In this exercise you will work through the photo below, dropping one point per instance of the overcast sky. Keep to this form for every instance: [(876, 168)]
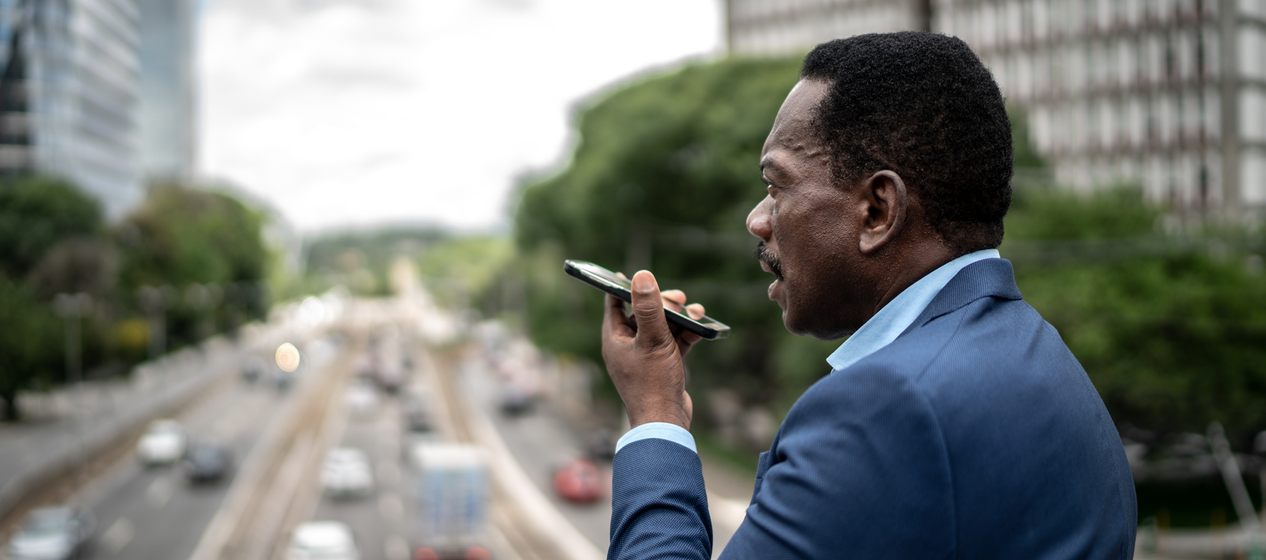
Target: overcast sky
[(356, 112)]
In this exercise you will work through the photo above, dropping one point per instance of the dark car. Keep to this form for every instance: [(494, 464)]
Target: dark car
[(600, 445), (253, 368), (54, 533), (415, 415), (515, 401), (206, 463)]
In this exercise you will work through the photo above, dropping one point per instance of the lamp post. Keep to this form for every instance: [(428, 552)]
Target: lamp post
[(154, 301), (72, 308)]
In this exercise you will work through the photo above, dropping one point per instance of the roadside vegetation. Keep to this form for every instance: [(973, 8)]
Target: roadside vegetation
[(196, 258), (1166, 312)]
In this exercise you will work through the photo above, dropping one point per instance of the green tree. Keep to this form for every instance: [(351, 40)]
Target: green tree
[(1171, 329), (208, 245), (36, 213), (663, 176), (29, 344)]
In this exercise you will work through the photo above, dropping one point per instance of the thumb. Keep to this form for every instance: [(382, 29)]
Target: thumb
[(648, 310)]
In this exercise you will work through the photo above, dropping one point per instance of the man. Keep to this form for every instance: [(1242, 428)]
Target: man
[(955, 422)]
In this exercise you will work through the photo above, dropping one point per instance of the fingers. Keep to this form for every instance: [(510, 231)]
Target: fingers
[(648, 310), (695, 310), (674, 299), (614, 323)]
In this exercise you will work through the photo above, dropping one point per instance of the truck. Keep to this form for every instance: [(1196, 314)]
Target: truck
[(453, 497)]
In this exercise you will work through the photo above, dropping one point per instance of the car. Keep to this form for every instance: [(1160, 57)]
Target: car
[(207, 462), (600, 445), (253, 368), (362, 399), (52, 533), (162, 444), (579, 481), (415, 415), (322, 540), (346, 473), (515, 401), (282, 380)]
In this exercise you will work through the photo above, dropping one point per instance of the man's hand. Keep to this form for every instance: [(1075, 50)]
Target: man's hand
[(644, 354)]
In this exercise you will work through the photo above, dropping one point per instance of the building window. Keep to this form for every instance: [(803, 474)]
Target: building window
[(1253, 118), (1253, 176), (1252, 56)]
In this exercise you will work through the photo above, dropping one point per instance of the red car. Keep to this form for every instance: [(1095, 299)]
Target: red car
[(579, 481)]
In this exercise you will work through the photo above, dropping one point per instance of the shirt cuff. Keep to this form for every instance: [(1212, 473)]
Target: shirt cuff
[(659, 430)]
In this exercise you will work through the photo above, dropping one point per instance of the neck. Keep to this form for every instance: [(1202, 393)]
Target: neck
[(911, 264)]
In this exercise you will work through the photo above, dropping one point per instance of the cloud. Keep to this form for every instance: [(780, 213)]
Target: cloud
[(344, 112)]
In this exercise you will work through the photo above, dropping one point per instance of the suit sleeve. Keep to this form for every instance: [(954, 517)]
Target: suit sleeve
[(859, 470), (659, 505)]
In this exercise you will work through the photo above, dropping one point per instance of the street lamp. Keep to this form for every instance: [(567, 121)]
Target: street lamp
[(154, 301), (72, 308)]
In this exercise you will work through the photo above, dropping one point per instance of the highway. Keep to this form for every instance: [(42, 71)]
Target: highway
[(152, 512), (381, 521), (279, 440)]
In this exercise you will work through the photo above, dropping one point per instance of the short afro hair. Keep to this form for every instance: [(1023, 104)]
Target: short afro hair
[(923, 106)]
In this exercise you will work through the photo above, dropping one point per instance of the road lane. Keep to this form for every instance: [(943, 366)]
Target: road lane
[(153, 512), (541, 441), (382, 520)]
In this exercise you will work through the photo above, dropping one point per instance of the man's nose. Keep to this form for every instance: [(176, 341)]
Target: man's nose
[(758, 221)]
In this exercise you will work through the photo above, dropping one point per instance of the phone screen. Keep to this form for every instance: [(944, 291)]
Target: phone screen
[(611, 283)]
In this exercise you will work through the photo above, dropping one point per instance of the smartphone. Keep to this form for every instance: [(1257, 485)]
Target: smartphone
[(609, 282)]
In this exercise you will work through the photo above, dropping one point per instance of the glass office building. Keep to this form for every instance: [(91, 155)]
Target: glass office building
[(69, 94), (167, 132)]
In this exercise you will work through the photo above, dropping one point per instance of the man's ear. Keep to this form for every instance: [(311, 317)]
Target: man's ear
[(888, 203)]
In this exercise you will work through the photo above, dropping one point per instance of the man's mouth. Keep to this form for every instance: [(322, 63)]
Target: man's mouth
[(769, 259)]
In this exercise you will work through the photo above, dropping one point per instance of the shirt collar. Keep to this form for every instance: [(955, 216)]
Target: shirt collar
[(894, 318)]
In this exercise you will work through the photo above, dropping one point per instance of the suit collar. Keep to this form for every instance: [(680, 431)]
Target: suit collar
[(893, 319), (987, 278)]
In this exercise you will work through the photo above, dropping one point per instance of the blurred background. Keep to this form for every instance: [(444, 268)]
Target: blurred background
[(282, 278)]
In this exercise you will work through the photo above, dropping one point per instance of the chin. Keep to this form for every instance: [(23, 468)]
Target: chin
[(800, 325)]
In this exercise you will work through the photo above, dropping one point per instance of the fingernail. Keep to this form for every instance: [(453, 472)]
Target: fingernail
[(643, 282)]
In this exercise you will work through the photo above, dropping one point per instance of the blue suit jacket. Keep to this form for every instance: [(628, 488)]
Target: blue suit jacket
[(975, 434)]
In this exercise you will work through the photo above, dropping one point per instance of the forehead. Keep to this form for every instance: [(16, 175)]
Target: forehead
[(792, 133)]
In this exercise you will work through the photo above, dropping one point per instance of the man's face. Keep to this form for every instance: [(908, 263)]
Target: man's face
[(809, 241)]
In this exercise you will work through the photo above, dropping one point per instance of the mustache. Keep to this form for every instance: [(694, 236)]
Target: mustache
[(763, 254)]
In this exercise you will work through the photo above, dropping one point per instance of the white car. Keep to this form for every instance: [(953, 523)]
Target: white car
[(322, 540), (163, 443), (362, 399), (346, 473), (54, 533)]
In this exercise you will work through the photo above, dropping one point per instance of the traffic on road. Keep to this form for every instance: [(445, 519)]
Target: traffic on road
[(356, 438)]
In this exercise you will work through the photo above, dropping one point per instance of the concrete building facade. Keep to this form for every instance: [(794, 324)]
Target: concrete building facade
[(779, 27), (1169, 94), (69, 94), (1166, 94)]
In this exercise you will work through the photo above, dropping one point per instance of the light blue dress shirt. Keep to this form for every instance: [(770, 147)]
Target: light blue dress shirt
[(892, 320)]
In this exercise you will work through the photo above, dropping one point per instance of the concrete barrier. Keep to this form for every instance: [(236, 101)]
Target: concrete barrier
[(112, 431)]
